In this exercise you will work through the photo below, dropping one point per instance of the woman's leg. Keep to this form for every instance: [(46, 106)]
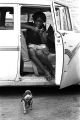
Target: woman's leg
[(34, 58), (52, 58), (45, 61)]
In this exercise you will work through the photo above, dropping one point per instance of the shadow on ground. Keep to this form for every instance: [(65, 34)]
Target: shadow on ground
[(40, 91), (49, 103)]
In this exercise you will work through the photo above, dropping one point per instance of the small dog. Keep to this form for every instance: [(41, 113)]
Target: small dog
[(27, 101)]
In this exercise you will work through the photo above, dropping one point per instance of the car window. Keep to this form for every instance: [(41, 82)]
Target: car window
[(28, 11), (63, 20), (6, 18)]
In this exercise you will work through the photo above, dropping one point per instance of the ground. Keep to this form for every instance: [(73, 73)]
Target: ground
[(48, 103)]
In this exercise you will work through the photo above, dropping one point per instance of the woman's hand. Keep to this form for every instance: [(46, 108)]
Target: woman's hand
[(43, 35)]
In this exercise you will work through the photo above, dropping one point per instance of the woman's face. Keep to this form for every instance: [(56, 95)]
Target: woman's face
[(38, 22)]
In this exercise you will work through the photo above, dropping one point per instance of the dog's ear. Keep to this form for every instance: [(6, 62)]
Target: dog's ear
[(24, 94)]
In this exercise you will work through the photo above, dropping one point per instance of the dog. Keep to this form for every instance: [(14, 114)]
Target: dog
[(27, 100)]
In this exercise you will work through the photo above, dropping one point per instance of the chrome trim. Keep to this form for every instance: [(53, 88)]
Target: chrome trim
[(9, 48)]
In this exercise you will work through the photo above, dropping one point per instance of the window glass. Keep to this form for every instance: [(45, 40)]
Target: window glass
[(63, 18), (58, 19), (6, 18)]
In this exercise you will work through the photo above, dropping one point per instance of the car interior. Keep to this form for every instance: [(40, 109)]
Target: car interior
[(27, 66)]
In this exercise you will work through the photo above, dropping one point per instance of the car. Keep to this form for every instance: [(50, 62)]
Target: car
[(16, 67)]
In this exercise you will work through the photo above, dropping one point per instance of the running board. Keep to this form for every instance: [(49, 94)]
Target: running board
[(28, 81)]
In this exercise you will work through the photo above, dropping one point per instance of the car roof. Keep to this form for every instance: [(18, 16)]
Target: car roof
[(32, 2)]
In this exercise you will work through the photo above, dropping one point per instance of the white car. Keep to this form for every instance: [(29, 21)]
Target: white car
[(16, 68)]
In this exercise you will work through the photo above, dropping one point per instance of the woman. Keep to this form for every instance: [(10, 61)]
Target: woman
[(36, 39)]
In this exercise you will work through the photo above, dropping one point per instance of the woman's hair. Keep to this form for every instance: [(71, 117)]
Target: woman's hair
[(39, 14)]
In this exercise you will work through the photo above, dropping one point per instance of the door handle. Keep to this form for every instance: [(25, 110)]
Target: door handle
[(63, 34)]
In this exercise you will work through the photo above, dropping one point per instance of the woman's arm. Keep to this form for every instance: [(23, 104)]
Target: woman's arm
[(27, 26)]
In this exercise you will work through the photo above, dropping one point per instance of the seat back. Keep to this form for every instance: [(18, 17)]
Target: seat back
[(24, 50)]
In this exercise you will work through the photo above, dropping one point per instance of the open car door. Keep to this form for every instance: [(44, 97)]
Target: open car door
[(59, 51), (9, 49), (71, 63)]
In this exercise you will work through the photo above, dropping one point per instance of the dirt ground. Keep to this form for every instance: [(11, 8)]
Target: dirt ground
[(48, 104)]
